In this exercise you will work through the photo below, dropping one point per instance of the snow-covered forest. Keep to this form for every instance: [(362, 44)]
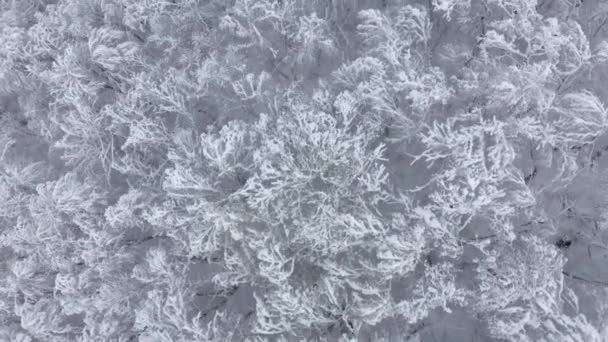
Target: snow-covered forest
[(303, 170)]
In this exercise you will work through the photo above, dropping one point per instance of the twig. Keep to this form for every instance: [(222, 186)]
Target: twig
[(600, 27), (591, 281)]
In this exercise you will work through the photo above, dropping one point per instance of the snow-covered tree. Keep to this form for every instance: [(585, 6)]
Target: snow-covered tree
[(282, 170)]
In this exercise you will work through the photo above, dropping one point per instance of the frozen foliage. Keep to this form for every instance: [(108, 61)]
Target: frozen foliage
[(303, 170)]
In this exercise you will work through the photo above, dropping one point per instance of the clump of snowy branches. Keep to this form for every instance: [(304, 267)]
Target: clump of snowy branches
[(277, 170)]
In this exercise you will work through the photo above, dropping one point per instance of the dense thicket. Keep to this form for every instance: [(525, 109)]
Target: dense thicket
[(289, 170)]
